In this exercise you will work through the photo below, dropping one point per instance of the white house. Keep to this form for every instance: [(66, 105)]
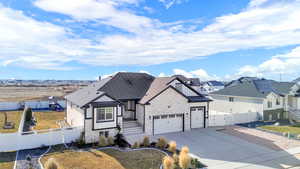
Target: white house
[(271, 100), (138, 103)]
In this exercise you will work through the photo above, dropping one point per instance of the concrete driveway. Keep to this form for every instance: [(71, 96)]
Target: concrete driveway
[(220, 150)]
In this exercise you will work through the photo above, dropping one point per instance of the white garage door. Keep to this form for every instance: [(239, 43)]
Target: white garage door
[(168, 123), (197, 117)]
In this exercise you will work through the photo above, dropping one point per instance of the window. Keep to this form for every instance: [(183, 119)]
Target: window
[(178, 86), (269, 104), (231, 99), (104, 133), (105, 113), (130, 106), (277, 101)]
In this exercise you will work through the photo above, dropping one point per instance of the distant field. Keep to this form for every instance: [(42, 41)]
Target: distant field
[(33, 93)]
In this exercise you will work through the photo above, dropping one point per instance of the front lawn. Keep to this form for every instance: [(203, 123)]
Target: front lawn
[(48, 119), (107, 159), (12, 116), (7, 160), (293, 129)]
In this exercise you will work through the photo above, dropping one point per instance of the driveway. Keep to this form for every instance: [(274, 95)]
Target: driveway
[(220, 150)]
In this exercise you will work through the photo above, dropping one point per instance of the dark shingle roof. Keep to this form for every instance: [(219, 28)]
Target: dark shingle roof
[(256, 88), (127, 85), (123, 85), (215, 83), (83, 96)]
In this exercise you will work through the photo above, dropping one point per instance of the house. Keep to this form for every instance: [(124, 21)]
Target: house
[(137, 103), (271, 100), (211, 86)]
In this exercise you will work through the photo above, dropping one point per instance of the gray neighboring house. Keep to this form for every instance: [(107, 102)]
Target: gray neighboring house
[(270, 99), (138, 103)]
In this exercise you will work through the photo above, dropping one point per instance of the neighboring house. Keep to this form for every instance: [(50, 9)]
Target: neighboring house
[(138, 103), (211, 86), (241, 80), (269, 99)]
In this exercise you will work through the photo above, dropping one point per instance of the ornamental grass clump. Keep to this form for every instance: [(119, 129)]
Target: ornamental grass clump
[(146, 141), (184, 158), (51, 164), (136, 145), (110, 141), (102, 141), (168, 162), (175, 158), (172, 146), (162, 143)]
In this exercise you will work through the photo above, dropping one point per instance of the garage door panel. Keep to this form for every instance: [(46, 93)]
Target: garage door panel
[(168, 123), (197, 117)]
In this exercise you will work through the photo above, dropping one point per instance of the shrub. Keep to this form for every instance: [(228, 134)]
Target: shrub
[(175, 158), (185, 150), (172, 146), (162, 143), (51, 164), (120, 140), (102, 141), (196, 163), (110, 141), (146, 141), (184, 160), (81, 141), (136, 145), (168, 162), (28, 114)]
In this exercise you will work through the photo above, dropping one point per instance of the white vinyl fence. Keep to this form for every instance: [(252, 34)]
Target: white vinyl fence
[(225, 119), (29, 140), (5, 106)]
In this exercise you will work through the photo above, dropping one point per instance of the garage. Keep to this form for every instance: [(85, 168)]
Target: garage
[(197, 117), (167, 123)]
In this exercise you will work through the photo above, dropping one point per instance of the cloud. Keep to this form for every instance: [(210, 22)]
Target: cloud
[(199, 73), (256, 3), (31, 43), (287, 64), (169, 3)]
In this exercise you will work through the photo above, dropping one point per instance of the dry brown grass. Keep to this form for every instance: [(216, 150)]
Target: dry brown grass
[(51, 164), (12, 116), (161, 143), (7, 160), (184, 160), (86, 160), (48, 119), (106, 159), (146, 141), (185, 150), (141, 159)]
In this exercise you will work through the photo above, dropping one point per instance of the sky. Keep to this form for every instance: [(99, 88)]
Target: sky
[(208, 39)]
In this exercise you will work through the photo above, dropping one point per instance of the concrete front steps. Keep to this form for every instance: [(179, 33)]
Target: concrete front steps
[(131, 128)]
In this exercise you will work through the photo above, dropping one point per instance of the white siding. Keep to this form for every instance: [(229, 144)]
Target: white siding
[(140, 113), (168, 102), (239, 105), (272, 98), (103, 99), (75, 115)]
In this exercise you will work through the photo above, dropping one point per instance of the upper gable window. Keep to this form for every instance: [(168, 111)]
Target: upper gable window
[(178, 86), (269, 104), (277, 101)]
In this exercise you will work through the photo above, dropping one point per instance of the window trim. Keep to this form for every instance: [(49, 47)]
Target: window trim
[(106, 120)]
